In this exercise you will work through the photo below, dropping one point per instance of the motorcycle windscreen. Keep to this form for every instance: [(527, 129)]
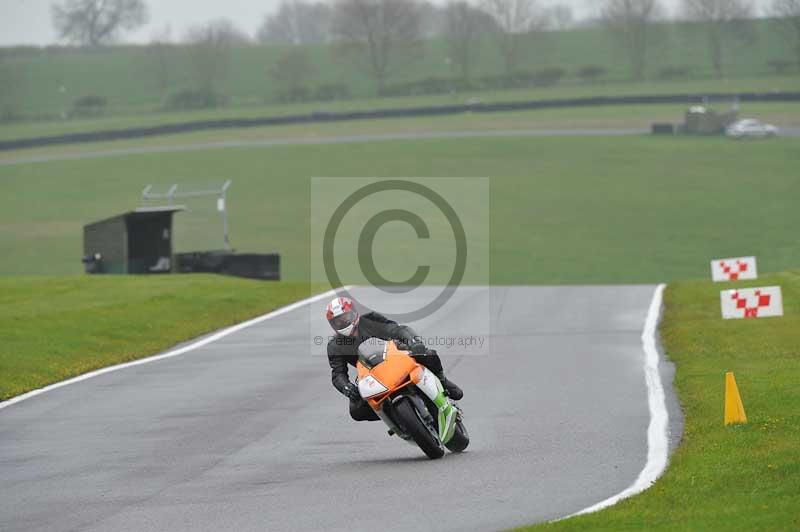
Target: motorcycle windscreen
[(372, 352)]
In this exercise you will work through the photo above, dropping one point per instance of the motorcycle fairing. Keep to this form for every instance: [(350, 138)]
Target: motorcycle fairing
[(431, 386), (383, 366), (369, 386)]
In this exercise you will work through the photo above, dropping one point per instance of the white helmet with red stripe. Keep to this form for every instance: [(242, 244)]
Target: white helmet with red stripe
[(342, 315)]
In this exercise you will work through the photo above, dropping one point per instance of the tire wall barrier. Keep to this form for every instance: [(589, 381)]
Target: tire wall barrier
[(321, 116)]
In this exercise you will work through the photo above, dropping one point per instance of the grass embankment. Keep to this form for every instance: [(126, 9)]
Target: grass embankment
[(743, 477), (563, 210), (121, 119), (54, 328)]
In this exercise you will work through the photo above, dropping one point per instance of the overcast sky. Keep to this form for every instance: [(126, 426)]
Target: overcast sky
[(28, 21)]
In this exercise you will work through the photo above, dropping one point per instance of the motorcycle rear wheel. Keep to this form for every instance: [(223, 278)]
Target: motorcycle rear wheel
[(423, 435)]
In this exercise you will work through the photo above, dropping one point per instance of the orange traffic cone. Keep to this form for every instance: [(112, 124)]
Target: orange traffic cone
[(734, 409)]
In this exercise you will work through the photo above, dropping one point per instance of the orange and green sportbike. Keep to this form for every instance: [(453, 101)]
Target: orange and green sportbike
[(410, 399)]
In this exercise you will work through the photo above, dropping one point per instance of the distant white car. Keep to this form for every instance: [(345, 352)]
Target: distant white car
[(751, 129)]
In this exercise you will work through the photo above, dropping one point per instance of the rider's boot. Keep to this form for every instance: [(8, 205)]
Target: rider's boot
[(451, 389)]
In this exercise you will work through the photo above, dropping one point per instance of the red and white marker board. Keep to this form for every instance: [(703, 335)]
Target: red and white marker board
[(735, 269), (751, 303)]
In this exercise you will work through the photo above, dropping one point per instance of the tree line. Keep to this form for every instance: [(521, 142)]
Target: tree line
[(383, 34), (382, 37)]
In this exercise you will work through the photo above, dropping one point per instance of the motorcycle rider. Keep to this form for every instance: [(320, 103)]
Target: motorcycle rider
[(352, 329)]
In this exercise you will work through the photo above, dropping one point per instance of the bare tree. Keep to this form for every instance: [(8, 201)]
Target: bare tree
[(9, 90), (787, 13), (721, 19), (97, 22), (377, 34), (159, 52), (560, 17), (209, 52), (461, 33), (291, 73), (515, 18), (631, 22), (296, 22), (464, 26), (432, 19)]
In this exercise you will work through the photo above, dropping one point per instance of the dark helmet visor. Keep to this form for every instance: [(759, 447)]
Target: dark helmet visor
[(343, 321)]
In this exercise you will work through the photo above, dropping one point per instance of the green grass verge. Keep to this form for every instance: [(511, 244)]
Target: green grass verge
[(743, 477), (611, 116), (54, 328), (563, 210)]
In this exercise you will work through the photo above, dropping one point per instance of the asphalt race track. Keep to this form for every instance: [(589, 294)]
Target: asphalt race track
[(339, 139), (247, 433), (311, 141)]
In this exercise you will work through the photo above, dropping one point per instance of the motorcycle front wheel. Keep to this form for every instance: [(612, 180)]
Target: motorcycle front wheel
[(415, 426), (460, 440)]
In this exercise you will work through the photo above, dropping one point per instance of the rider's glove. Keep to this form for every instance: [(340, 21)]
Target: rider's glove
[(351, 391), (417, 347)]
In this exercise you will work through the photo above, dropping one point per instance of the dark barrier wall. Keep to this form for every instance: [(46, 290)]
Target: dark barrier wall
[(266, 267), (118, 134)]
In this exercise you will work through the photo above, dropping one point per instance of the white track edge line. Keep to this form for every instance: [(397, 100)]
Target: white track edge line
[(657, 440), (175, 352)]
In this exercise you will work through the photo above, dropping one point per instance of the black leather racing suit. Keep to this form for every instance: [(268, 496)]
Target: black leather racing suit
[(343, 350)]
